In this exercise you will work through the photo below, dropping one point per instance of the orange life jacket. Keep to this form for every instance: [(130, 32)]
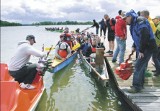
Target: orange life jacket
[(62, 53)]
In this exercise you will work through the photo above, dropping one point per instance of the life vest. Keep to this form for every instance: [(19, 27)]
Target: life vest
[(63, 52), (93, 49), (112, 24)]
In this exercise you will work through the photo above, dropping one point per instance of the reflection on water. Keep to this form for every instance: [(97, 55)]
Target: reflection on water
[(72, 89)]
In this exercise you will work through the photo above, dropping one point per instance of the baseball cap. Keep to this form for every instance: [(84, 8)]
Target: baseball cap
[(157, 17), (29, 37)]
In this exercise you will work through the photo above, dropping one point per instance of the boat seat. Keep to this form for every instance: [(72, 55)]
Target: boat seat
[(12, 96), (5, 76)]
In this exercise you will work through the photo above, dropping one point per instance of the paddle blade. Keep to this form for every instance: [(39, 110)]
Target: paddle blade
[(48, 48), (76, 46)]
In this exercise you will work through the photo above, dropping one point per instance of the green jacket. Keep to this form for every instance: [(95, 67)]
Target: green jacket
[(157, 34)]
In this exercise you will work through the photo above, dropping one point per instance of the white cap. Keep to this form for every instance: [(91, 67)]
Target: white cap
[(63, 45)]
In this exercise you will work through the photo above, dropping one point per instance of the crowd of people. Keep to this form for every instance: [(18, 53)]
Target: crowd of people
[(145, 33)]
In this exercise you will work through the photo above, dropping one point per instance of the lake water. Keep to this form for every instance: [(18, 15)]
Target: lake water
[(71, 89)]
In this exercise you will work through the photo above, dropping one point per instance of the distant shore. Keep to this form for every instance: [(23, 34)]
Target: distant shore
[(6, 23)]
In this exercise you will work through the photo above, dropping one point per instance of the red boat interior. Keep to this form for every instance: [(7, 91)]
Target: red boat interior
[(15, 98)]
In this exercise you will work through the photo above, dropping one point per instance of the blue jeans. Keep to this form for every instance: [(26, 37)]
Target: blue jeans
[(121, 47), (155, 58), (158, 56), (140, 67)]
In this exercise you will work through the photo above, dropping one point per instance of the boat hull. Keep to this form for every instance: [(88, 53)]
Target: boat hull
[(57, 64), (102, 76)]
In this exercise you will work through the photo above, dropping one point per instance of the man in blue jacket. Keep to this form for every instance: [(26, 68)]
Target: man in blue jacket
[(145, 45)]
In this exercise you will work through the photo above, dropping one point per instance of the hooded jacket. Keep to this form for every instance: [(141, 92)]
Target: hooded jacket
[(141, 32), (120, 27), (22, 55)]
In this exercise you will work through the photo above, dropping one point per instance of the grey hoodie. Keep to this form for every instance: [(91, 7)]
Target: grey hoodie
[(22, 55)]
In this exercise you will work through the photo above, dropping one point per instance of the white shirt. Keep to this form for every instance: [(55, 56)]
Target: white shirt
[(22, 55)]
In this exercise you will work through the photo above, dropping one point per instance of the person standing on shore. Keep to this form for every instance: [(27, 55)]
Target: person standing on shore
[(145, 13), (145, 43), (95, 24), (121, 36), (102, 27), (111, 32), (157, 37), (20, 68)]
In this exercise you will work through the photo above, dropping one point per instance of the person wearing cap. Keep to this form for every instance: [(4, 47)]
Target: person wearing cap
[(157, 36), (62, 51), (18, 66), (145, 43), (121, 36)]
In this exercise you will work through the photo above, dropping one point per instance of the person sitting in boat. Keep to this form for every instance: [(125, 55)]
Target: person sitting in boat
[(94, 45), (67, 39), (18, 66), (62, 51), (99, 44), (86, 48), (66, 30)]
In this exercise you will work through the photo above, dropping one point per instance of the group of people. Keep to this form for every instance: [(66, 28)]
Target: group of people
[(146, 44), (146, 38)]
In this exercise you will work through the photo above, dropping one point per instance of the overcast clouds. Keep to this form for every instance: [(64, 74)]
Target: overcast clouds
[(29, 11)]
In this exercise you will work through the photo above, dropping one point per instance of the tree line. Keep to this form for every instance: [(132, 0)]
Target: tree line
[(63, 23), (6, 23)]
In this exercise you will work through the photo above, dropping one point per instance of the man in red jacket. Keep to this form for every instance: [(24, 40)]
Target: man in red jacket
[(121, 36)]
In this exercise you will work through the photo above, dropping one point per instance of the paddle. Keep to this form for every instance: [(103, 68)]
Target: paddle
[(86, 29), (48, 48), (49, 51)]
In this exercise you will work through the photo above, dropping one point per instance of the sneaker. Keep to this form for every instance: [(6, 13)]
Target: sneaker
[(153, 70), (156, 74), (111, 53), (133, 90), (108, 51), (114, 60), (26, 86)]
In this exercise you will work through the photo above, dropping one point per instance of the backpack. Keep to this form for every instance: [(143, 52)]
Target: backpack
[(112, 23)]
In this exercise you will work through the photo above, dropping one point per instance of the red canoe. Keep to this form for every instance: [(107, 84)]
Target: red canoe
[(13, 98)]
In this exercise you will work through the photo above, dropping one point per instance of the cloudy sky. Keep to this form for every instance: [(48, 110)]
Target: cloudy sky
[(29, 11)]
